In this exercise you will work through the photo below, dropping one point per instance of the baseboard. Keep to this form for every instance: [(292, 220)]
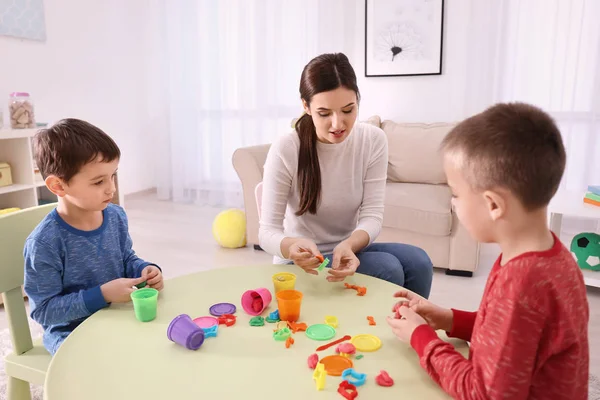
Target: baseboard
[(457, 272), (140, 193)]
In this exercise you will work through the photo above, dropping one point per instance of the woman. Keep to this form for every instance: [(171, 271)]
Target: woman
[(327, 178)]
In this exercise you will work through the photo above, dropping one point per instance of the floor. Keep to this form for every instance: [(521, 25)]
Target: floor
[(178, 238)]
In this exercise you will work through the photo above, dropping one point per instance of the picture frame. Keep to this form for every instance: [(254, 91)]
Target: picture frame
[(403, 37)]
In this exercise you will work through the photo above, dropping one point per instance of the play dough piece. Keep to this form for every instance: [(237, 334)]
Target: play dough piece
[(257, 321), (336, 365), (222, 308), (206, 322), (358, 378), (320, 332), (328, 345), (282, 334), (347, 390), (323, 265), (383, 379), (257, 304), (346, 348), (366, 342)]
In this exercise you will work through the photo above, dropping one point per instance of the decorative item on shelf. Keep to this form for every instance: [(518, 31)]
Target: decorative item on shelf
[(585, 248), (37, 175), (592, 196), (21, 111), (5, 174)]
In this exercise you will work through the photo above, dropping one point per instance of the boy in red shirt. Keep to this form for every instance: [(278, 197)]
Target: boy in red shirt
[(529, 338)]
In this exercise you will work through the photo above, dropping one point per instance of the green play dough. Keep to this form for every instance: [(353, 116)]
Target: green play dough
[(320, 332), (257, 321), (282, 334), (585, 247)]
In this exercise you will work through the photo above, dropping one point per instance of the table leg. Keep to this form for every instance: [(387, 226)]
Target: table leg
[(556, 223)]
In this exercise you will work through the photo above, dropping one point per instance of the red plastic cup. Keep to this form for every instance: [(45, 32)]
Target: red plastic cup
[(289, 302), (250, 298)]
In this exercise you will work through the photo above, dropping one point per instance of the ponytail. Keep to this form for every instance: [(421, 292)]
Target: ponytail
[(309, 170)]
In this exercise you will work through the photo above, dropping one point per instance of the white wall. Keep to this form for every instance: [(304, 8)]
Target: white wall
[(436, 98), (91, 67), (94, 66)]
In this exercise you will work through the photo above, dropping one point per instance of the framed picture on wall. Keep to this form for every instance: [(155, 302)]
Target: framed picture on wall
[(403, 37)]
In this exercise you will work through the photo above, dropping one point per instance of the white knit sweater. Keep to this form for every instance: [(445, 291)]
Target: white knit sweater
[(353, 177)]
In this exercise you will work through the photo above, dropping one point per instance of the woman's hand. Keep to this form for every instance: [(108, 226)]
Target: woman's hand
[(344, 262), (305, 253)]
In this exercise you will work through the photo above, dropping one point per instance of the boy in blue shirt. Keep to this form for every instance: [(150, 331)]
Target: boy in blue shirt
[(79, 259)]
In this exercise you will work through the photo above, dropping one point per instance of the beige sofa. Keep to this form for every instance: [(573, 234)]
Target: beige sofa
[(417, 201)]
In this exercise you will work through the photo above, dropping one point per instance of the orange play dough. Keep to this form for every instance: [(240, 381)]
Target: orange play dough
[(335, 365)]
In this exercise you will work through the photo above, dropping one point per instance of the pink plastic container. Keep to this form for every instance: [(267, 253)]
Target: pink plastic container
[(261, 297)]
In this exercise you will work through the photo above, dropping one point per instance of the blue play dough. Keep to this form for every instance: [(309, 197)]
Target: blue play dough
[(351, 373)]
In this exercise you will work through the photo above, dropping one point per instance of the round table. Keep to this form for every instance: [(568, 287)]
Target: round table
[(111, 355)]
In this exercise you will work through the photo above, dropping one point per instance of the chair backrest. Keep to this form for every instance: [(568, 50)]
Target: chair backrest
[(14, 229), (258, 196)]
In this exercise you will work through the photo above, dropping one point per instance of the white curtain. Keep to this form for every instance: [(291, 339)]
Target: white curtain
[(544, 52), (224, 74)]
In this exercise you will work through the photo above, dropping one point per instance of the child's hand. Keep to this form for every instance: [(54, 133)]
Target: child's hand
[(153, 277), (118, 290), (404, 327), (437, 317)]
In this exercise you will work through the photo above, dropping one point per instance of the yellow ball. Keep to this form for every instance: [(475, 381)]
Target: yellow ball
[(229, 228)]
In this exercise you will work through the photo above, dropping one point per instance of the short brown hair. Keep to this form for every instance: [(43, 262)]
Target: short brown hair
[(68, 145), (516, 146)]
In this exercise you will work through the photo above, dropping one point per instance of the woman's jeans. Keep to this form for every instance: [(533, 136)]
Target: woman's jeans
[(405, 265)]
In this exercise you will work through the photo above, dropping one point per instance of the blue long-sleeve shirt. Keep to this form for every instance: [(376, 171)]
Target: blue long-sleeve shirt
[(65, 267)]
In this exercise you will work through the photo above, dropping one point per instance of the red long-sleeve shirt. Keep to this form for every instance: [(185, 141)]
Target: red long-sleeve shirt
[(529, 338)]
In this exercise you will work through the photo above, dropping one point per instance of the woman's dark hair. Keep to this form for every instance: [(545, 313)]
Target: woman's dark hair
[(322, 74)]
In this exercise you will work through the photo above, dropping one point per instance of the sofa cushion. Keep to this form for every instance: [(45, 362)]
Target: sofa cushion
[(414, 151), (374, 120), (419, 208)]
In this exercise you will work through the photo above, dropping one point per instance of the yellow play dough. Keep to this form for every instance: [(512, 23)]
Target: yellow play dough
[(366, 342)]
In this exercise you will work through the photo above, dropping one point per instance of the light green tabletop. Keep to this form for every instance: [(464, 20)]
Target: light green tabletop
[(114, 356)]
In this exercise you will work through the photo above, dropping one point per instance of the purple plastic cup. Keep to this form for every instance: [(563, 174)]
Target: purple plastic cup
[(182, 330), (249, 296)]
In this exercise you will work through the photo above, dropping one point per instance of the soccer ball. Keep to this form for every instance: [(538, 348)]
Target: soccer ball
[(585, 248)]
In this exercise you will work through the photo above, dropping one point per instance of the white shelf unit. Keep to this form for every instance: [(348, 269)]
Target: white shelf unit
[(15, 149), (26, 191)]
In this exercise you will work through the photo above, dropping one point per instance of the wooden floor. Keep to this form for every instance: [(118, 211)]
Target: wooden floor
[(178, 238)]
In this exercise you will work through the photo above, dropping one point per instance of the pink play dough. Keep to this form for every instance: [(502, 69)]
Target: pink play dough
[(346, 348), (313, 360)]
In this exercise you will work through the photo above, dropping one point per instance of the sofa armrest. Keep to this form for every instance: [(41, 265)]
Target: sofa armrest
[(248, 163), (464, 250)]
